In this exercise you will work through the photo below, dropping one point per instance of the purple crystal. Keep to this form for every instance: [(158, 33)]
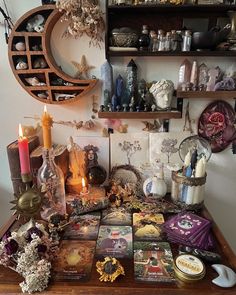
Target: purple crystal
[(42, 248), (34, 230)]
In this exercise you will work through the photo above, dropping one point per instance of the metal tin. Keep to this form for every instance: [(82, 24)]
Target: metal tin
[(189, 268)]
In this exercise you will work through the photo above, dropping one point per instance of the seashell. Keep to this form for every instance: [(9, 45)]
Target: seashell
[(89, 124), (42, 95), (40, 63), (21, 65), (20, 46), (35, 22), (64, 96), (34, 81)]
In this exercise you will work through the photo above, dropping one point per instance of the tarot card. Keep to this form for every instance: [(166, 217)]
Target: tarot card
[(116, 216), (74, 261), (147, 226), (185, 225), (153, 262), (115, 241), (83, 227)]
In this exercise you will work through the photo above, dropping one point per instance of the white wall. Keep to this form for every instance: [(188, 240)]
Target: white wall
[(16, 103)]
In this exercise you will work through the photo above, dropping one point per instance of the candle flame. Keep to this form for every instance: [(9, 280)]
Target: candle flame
[(45, 109), (20, 131), (83, 182)]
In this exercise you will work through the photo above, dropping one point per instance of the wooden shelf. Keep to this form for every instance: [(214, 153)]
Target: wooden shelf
[(168, 7), (140, 115), (207, 94), (111, 53), (52, 72)]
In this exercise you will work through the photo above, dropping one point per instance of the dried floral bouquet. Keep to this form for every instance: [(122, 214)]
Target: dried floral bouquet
[(29, 252), (83, 17)]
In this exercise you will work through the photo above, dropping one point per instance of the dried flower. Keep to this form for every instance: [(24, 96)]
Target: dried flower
[(11, 247), (84, 17)]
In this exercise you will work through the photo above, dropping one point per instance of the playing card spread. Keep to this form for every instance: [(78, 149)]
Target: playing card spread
[(83, 227), (74, 261), (146, 226), (115, 241), (153, 262)]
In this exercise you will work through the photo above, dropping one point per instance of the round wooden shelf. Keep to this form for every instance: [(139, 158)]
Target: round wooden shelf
[(52, 72)]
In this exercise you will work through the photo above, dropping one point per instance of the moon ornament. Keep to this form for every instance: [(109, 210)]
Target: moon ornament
[(38, 48)]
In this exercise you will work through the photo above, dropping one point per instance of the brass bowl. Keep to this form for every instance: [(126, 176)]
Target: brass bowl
[(125, 39)]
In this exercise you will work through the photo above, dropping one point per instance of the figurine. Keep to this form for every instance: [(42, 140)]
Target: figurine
[(36, 24), (163, 93)]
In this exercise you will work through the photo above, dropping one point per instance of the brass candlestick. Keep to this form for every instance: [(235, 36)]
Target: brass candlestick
[(29, 201)]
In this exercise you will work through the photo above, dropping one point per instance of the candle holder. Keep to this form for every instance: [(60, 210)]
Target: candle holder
[(28, 202)]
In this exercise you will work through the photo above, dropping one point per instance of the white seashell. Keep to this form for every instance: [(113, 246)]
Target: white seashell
[(64, 96), (34, 81), (42, 95), (21, 65), (20, 46)]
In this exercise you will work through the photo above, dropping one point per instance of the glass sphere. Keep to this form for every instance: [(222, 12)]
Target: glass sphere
[(96, 175)]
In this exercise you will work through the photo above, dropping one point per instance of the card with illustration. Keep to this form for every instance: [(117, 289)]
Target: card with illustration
[(115, 241), (74, 261), (147, 226), (116, 216), (83, 227), (153, 262)]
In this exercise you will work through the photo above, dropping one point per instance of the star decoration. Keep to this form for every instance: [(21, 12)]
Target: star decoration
[(82, 68)]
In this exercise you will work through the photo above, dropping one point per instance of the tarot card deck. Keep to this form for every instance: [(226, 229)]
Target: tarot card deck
[(153, 262), (189, 229), (115, 241), (147, 226), (74, 261)]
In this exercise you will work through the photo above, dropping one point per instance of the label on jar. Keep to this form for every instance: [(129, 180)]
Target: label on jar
[(189, 264)]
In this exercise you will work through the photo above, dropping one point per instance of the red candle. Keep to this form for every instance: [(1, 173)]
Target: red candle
[(23, 152)]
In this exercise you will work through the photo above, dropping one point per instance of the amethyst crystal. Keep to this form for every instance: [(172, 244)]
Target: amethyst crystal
[(42, 248)]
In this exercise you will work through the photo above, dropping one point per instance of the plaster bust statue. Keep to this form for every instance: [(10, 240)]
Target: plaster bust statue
[(162, 92)]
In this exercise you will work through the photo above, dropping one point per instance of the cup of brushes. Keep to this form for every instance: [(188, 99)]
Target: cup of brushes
[(188, 184)]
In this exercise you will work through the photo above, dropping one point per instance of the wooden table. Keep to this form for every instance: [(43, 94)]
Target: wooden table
[(126, 285)]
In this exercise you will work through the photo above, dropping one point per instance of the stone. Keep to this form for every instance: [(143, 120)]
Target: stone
[(226, 278)]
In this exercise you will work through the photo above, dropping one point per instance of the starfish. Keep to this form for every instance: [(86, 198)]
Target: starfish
[(82, 68)]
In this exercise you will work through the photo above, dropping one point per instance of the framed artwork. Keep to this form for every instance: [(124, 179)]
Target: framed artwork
[(131, 149), (102, 143)]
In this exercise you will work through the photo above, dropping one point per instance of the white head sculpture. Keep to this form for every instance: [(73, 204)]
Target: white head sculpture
[(162, 91)]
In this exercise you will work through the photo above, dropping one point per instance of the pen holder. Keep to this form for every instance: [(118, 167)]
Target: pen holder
[(188, 191)]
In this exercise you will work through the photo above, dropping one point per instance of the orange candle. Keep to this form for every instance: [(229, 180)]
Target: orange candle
[(47, 124), (23, 152)]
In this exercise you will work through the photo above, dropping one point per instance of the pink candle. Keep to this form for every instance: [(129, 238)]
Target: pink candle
[(23, 152)]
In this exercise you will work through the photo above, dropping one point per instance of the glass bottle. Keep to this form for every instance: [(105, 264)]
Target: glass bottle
[(144, 39), (154, 43), (51, 179), (168, 41), (161, 45), (186, 46)]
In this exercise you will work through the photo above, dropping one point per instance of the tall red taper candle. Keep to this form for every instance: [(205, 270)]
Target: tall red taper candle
[(23, 152)]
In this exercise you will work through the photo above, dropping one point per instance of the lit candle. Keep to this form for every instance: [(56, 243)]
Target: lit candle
[(23, 152), (84, 187), (47, 124)]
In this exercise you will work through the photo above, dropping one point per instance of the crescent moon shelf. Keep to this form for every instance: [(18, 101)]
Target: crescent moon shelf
[(33, 64)]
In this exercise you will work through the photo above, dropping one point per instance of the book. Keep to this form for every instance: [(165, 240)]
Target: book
[(14, 162)]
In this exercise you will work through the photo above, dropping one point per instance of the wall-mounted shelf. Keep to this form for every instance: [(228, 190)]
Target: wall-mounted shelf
[(140, 115), (111, 53), (206, 94), (51, 72)]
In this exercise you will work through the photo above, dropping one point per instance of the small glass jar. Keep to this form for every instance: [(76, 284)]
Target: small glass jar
[(168, 41), (161, 45), (186, 45)]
